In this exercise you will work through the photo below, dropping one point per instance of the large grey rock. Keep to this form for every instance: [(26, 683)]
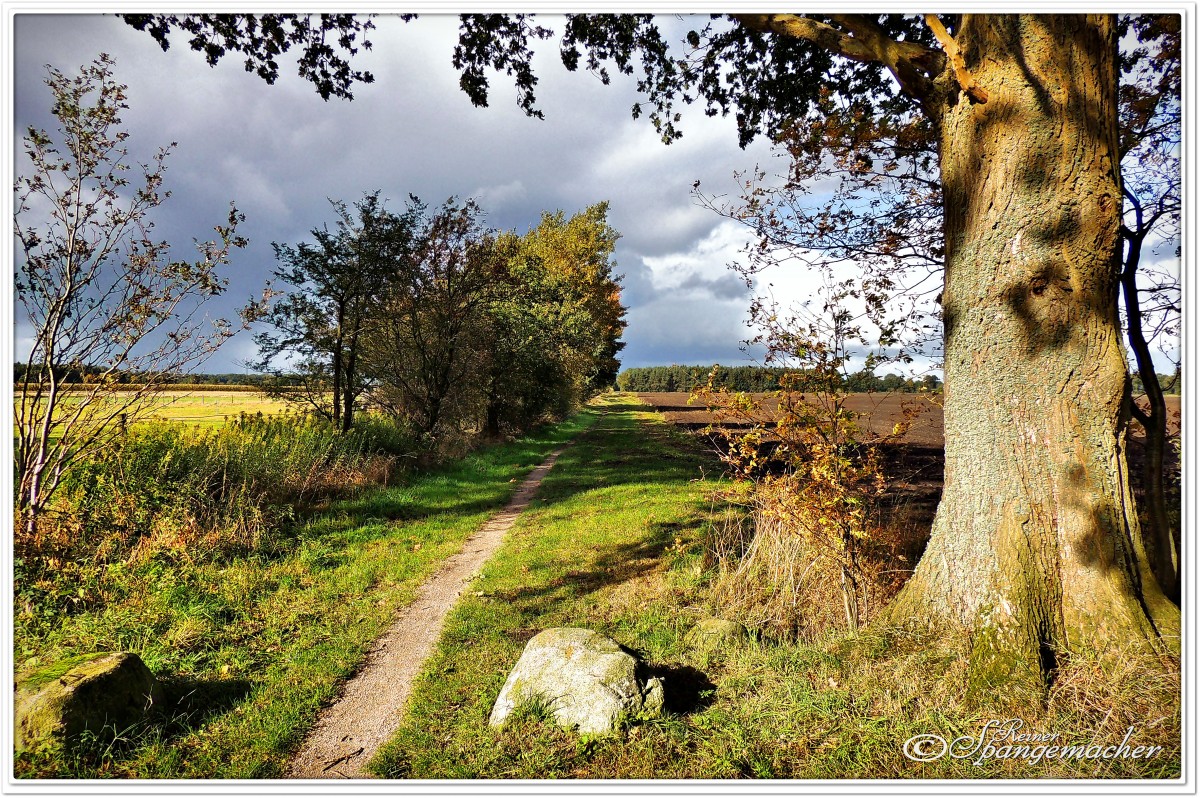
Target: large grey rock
[(586, 681), (84, 693)]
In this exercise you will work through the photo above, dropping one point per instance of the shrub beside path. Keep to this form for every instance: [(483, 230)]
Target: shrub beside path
[(371, 705)]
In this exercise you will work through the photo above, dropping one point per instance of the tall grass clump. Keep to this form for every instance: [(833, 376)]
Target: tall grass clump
[(200, 493)]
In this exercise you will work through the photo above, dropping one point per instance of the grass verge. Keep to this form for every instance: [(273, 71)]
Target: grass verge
[(617, 542), (250, 648)]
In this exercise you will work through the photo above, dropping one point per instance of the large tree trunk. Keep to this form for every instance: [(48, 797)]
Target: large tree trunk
[(1035, 548), (491, 426)]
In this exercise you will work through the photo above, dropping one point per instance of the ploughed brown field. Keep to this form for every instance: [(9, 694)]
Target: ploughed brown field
[(915, 463), (877, 412)]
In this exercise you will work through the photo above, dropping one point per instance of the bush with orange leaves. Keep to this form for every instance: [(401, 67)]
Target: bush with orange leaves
[(813, 557)]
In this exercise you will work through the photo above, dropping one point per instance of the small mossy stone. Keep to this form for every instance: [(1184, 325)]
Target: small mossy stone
[(654, 699), (581, 679), (712, 634), (89, 693)]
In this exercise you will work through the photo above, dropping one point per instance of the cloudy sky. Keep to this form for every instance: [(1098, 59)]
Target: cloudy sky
[(280, 151)]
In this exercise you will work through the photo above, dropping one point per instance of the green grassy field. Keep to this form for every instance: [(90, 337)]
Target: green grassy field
[(253, 645)]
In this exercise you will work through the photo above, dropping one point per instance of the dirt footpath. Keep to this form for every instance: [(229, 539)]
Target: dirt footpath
[(372, 704)]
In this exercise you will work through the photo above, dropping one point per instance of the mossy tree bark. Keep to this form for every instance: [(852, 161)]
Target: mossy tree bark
[(1035, 547)]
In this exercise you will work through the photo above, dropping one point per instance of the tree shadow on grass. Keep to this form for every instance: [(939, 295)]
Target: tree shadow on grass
[(612, 565), (625, 460), (184, 704), (450, 491)]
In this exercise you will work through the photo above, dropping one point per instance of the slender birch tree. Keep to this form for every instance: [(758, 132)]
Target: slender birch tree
[(104, 304)]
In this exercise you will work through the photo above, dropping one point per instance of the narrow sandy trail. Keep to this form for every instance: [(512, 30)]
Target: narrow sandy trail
[(371, 705)]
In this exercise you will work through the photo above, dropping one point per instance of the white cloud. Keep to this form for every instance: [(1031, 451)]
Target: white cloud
[(709, 256), (500, 197)]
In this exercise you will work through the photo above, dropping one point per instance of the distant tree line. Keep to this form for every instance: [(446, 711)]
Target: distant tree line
[(430, 317), (218, 380), (754, 379), (76, 375), (757, 379), (1171, 383)]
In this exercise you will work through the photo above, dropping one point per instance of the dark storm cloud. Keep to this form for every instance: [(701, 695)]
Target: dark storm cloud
[(281, 153), (728, 286), (637, 280)]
